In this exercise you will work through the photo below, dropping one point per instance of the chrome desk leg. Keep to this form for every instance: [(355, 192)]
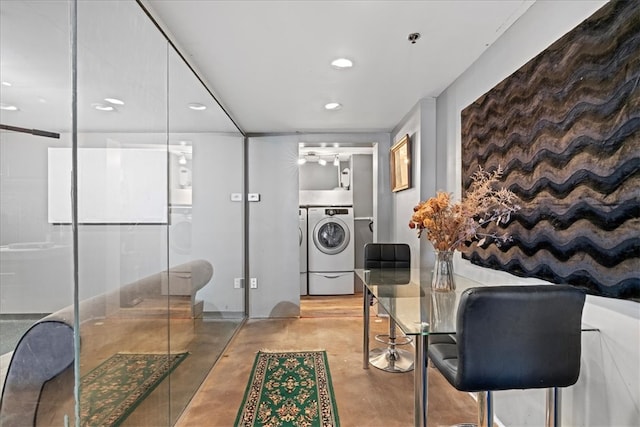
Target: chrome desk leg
[(365, 339), (420, 381), (485, 409), (554, 400)]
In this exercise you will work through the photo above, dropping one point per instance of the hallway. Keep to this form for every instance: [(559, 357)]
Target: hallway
[(367, 398)]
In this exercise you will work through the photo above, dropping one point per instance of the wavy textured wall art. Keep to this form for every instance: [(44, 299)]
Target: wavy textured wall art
[(566, 129)]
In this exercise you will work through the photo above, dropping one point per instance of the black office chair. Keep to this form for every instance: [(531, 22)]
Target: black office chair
[(390, 256), (514, 337)]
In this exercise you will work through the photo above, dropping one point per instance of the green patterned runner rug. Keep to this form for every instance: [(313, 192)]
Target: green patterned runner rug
[(289, 389), (110, 392)]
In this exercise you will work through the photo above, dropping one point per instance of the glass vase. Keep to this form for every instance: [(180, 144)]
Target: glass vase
[(443, 311), (442, 279)]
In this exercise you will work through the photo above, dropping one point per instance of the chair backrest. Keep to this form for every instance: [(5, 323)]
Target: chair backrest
[(519, 337), (387, 255)]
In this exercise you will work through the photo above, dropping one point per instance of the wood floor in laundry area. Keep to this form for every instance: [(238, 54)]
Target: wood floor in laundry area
[(365, 397)]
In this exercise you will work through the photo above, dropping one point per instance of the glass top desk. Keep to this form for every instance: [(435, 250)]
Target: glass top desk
[(419, 312), (406, 295)]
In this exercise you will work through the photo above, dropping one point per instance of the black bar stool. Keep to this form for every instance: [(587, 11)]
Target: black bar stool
[(390, 256), (514, 337)]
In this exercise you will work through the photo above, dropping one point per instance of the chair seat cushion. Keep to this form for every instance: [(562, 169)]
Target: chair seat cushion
[(442, 339), (444, 356)]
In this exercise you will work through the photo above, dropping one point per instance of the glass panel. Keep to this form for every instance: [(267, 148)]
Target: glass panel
[(407, 296), (36, 255), (160, 243), (205, 230), (123, 216)]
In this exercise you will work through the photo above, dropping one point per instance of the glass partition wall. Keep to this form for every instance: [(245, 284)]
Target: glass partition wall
[(159, 241), (36, 256)]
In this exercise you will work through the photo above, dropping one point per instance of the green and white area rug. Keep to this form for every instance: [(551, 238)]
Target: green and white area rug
[(289, 389), (110, 392)]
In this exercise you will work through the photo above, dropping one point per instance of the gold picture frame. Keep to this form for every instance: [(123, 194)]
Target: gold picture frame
[(400, 161)]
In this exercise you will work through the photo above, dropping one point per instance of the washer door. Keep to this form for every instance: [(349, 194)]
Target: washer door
[(180, 237), (331, 236)]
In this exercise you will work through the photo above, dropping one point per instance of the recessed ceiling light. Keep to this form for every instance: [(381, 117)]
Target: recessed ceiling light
[(8, 107), (341, 63), (114, 101), (333, 106), (197, 106), (6, 84), (103, 107)]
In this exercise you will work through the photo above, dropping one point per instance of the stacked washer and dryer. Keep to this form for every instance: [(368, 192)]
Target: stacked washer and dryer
[(330, 250), (302, 235)]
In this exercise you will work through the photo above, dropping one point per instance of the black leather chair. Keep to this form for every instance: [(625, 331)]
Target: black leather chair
[(396, 257), (514, 337)]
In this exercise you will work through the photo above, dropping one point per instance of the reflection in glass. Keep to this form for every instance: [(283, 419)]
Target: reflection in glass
[(159, 241), (204, 226), (36, 256), (122, 200)]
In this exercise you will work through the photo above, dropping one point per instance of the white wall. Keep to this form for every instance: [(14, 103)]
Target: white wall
[(114, 255), (420, 125), (362, 185), (273, 222), (218, 223), (31, 280), (608, 391), (273, 227)]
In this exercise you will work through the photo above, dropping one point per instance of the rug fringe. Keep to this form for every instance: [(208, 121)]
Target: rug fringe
[(153, 353), (271, 350)]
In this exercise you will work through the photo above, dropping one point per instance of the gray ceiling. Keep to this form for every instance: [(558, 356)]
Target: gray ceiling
[(120, 54), (268, 62)]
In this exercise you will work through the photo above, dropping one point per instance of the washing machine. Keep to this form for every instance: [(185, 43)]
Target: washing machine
[(302, 237), (331, 250)]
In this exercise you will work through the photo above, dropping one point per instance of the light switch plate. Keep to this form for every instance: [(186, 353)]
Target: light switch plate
[(236, 197), (253, 197)]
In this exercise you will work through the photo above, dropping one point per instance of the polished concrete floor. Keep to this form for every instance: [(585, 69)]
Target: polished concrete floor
[(365, 397), (204, 339)]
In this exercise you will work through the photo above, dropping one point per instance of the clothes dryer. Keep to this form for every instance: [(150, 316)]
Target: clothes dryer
[(331, 250), (180, 235), (302, 234)]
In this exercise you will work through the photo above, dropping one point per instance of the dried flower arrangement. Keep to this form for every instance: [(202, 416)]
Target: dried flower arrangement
[(449, 225)]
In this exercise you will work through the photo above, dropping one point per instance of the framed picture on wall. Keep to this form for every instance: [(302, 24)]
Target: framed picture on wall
[(400, 160)]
